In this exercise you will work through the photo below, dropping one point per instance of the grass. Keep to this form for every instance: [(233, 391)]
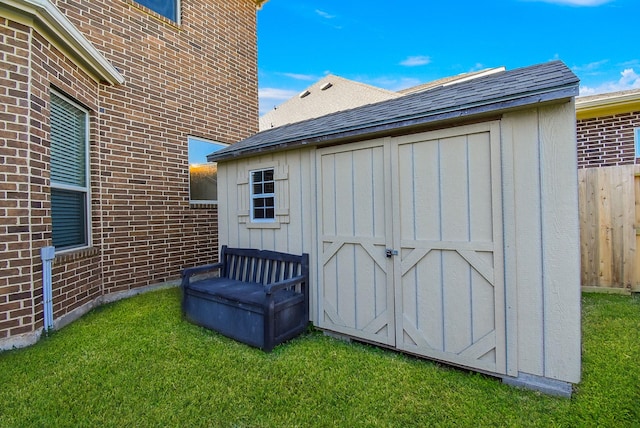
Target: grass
[(137, 363)]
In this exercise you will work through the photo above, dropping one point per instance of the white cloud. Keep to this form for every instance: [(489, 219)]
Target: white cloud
[(296, 76), (629, 79), (414, 61), (324, 14), (591, 67), (588, 3)]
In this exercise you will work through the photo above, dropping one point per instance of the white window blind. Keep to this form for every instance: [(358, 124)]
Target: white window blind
[(69, 174)]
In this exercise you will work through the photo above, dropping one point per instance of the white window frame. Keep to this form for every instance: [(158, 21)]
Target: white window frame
[(636, 140), (255, 196), (191, 139), (87, 188)]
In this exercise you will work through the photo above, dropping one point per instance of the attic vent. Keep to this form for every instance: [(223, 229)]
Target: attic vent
[(326, 86), (304, 94)]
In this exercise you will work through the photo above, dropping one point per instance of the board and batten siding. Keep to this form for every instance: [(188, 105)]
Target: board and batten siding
[(542, 252), (536, 262), (294, 231)]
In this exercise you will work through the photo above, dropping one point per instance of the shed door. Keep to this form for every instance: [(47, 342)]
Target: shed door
[(354, 213), (449, 271), (435, 198)]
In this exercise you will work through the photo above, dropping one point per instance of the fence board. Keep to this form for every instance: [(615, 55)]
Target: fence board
[(609, 213)]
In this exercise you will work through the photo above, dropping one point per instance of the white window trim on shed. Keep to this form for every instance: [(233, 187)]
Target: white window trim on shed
[(281, 177)]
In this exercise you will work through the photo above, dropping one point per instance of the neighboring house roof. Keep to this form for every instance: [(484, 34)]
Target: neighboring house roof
[(483, 96), (607, 104), (48, 19), (328, 95), (452, 80)]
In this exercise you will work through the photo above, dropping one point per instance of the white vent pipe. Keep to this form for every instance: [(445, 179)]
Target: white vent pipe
[(47, 254)]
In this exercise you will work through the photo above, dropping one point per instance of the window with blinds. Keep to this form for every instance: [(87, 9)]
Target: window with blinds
[(69, 174)]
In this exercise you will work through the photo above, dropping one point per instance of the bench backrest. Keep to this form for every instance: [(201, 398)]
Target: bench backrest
[(262, 266)]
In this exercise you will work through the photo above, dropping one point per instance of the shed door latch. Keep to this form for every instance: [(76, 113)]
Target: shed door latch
[(391, 252)]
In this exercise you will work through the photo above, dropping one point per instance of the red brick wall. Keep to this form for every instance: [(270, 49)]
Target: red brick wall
[(50, 68), (16, 266), (197, 78), (607, 141)]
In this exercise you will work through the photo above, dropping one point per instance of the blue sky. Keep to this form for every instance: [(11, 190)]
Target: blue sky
[(395, 45)]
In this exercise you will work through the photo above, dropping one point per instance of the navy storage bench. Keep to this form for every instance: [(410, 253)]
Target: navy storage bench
[(259, 297)]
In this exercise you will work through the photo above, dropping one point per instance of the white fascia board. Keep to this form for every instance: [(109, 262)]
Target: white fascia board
[(607, 100), (56, 24), (607, 104)]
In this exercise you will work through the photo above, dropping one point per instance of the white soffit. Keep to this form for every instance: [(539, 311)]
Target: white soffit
[(54, 24)]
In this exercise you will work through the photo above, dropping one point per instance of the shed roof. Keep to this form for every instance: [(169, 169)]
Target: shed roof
[(548, 82), (450, 80)]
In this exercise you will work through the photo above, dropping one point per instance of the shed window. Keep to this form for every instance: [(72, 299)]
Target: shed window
[(69, 174), (263, 206), (167, 8), (636, 134)]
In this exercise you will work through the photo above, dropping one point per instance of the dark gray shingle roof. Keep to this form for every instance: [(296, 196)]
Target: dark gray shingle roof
[(506, 90)]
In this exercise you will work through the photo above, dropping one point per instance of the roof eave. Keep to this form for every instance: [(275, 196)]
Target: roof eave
[(56, 25), (431, 118), (607, 106)]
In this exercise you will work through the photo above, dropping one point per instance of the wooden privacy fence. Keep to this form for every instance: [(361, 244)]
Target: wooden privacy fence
[(610, 227)]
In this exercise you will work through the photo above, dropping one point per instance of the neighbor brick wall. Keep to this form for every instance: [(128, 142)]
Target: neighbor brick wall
[(607, 141), (197, 78)]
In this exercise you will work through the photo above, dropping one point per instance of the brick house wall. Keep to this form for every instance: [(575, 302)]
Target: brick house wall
[(196, 78), (607, 140)]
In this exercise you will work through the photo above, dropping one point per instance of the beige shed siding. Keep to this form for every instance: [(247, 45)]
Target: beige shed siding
[(544, 237), (537, 182), (561, 244), (523, 241), (295, 232)]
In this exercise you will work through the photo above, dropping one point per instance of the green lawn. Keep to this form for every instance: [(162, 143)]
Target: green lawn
[(137, 363)]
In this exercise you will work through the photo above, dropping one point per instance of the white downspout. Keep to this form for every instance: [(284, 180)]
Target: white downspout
[(47, 254)]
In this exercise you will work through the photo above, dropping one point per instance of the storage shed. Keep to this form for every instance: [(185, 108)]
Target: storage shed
[(443, 223)]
